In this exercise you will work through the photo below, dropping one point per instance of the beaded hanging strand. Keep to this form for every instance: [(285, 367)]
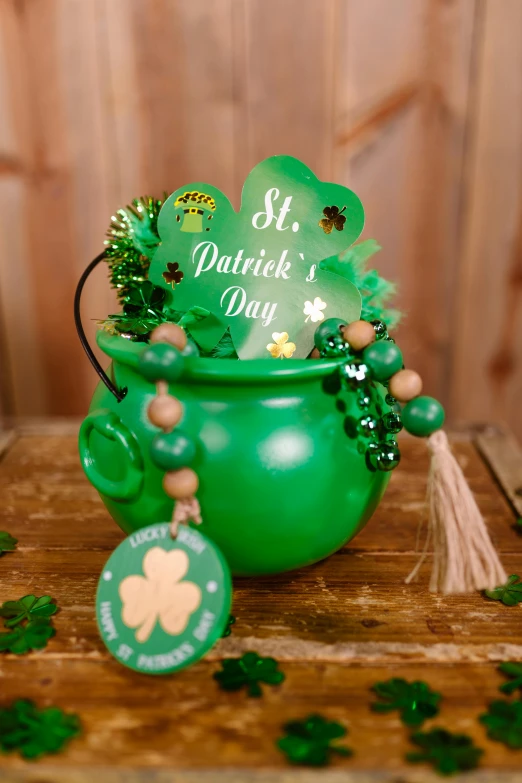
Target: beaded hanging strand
[(464, 559), (171, 450)]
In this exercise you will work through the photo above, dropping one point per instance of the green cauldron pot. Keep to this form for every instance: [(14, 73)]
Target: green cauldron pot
[(282, 484)]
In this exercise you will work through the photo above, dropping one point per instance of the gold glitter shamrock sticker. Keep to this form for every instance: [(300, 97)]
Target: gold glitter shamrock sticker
[(160, 595), (173, 275), (313, 310), (332, 218), (281, 348)]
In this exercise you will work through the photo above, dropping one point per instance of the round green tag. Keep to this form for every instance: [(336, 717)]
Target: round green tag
[(162, 603)]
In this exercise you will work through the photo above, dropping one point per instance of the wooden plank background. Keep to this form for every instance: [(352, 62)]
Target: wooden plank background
[(415, 104)]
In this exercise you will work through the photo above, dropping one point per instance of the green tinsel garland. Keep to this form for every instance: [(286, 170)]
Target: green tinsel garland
[(131, 241)]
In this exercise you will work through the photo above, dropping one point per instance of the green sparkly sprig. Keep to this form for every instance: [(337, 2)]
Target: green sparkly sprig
[(503, 722), (248, 671), (376, 292), (132, 238), (34, 732), (448, 753), (29, 624), (310, 741), (7, 542), (415, 701), (510, 594)]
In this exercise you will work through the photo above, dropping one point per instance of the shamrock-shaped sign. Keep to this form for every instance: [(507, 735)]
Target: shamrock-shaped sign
[(257, 271), (503, 721), (510, 594), (7, 542), (449, 753), (160, 595), (27, 608), (35, 732), (249, 671), (312, 741), (514, 672), (415, 700)]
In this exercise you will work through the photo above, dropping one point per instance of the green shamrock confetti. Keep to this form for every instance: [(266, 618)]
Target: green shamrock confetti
[(415, 700), (449, 753), (35, 732), (513, 670), (504, 722), (27, 608), (510, 594), (7, 542), (228, 629), (32, 636), (249, 671), (310, 741)]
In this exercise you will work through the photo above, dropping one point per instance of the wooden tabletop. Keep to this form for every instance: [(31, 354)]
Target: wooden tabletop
[(336, 628)]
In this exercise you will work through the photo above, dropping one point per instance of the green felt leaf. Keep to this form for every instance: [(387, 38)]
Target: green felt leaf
[(258, 270), (27, 608), (510, 594), (34, 732), (24, 638), (7, 542), (504, 722), (448, 753), (514, 672), (415, 701), (310, 741), (248, 671)]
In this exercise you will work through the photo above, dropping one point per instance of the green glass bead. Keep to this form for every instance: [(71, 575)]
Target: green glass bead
[(423, 416), (364, 401), (190, 350), (392, 422), (172, 450), (354, 373), (334, 346), (367, 426), (384, 360), (161, 362), (381, 330), (383, 456), (327, 329)]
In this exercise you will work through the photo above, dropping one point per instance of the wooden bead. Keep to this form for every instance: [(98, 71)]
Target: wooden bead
[(315, 354), (169, 333), (165, 411), (359, 334), (180, 484), (405, 385)]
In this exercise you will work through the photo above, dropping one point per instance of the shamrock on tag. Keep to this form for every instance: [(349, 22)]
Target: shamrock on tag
[(257, 271)]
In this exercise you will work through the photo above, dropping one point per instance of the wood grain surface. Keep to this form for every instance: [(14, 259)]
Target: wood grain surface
[(415, 104), (336, 627)]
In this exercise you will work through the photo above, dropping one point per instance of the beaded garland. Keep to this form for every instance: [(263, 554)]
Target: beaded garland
[(372, 356)]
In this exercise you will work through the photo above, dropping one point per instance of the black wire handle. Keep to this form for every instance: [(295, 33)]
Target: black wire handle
[(118, 393)]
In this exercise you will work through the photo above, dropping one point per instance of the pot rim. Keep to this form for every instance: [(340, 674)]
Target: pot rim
[(240, 372)]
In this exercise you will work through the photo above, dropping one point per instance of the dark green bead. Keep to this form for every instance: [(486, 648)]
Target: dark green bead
[(161, 362), (190, 350), (327, 329), (354, 373), (383, 456), (367, 426), (172, 450), (423, 416), (392, 422), (381, 331), (384, 360), (334, 347), (364, 401)]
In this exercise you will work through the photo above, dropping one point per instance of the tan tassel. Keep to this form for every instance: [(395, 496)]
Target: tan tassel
[(464, 559)]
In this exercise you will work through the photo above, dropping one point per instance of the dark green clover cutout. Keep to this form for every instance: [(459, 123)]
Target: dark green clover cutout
[(310, 741), (7, 542), (510, 594), (228, 629), (514, 671), (503, 721), (257, 271), (27, 608), (449, 753), (24, 638), (415, 700), (249, 671), (35, 732)]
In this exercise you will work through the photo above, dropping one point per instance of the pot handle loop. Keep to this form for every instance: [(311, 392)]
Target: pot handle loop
[(118, 393), (109, 425)]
